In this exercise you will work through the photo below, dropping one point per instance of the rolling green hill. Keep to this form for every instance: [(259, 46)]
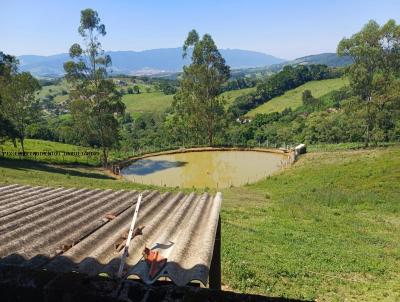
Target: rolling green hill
[(158, 102), (231, 95), (151, 102), (58, 91), (292, 98)]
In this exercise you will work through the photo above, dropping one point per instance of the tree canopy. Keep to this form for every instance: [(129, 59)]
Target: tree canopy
[(95, 100), (18, 105), (198, 106), (375, 74)]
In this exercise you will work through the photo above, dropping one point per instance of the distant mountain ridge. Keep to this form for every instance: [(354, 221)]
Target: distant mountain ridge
[(330, 59), (145, 62)]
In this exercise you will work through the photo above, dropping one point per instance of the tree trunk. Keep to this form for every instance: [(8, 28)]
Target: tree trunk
[(21, 140), (210, 127), (368, 131), (105, 157)]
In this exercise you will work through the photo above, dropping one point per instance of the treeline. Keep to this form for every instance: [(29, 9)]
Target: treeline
[(334, 118), (239, 83), (290, 77)]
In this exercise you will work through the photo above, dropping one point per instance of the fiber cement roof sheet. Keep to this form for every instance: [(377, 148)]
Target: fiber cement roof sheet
[(75, 230)]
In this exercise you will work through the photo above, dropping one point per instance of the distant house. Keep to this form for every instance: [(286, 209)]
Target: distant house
[(243, 121), (121, 83)]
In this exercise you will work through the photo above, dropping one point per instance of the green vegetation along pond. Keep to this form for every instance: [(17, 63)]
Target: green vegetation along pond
[(200, 169)]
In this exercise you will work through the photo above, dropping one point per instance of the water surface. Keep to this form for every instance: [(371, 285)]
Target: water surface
[(213, 169)]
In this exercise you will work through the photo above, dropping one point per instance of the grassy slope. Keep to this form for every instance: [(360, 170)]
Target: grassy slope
[(324, 229), (292, 98), (32, 145), (231, 95), (147, 102), (159, 102), (55, 89), (69, 171), (68, 176), (58, 88)]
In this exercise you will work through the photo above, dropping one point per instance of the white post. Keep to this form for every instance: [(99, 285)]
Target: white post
[(128, 240)]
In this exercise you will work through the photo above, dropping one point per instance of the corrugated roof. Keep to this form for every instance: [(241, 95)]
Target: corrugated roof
[(70, 230)]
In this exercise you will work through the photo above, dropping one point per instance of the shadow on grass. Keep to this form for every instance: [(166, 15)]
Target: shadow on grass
[(51, 168)]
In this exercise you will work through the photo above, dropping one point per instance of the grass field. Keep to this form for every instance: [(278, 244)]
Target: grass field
[(68, 176), (292, 98), (55, 90), (231, 95), (326, 228), (152, 102), (35, 145)]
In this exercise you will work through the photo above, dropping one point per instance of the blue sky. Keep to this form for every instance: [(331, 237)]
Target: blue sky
[(284, 28)]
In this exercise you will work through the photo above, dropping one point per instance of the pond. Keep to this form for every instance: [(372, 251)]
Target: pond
[(212, 169)]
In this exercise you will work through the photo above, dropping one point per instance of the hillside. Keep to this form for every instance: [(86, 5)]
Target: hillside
[(292, 98), (231, 95), (311, 233), (59, 92), (320, 233), (147, 102), (329, 59), (37, 145), (152, 61)]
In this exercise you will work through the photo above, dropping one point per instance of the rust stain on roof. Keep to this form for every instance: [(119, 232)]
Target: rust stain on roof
[(81, 230)]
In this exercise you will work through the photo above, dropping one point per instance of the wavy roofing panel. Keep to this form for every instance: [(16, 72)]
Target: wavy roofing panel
[(82, 230)]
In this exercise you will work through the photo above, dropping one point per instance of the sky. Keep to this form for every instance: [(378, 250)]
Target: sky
[(284, 28)]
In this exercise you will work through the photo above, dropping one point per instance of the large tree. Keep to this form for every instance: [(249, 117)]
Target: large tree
[(198, 105), (18, 105), (374, 75), (8, 67), (95, 101)]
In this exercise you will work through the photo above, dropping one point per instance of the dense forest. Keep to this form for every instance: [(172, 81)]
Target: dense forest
[(92, 114)]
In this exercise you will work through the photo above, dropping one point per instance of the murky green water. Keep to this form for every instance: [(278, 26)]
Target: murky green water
[(213, 169)]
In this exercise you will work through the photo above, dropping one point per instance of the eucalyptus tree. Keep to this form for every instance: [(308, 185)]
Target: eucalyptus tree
[(198, 105), (375, 74), (95, 101)]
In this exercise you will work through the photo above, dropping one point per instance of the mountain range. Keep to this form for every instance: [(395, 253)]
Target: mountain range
[(169, 60), (145, 62)]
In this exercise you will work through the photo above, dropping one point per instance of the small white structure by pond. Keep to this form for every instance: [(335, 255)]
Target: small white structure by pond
[(300, 149)]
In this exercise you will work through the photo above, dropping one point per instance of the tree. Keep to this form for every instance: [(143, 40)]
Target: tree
[(136, 89), (18, 106), (308, 99), (95, 101), (8, 67), (374, 75), (198, 106)]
